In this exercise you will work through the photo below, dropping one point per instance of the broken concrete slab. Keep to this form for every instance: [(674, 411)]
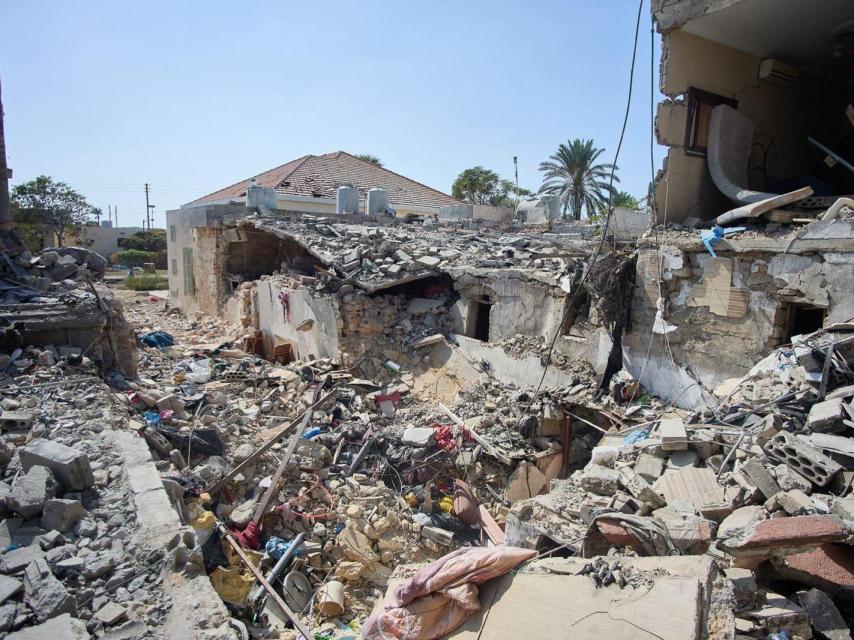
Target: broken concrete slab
[(640, 488), (44, 594), (9, 587), (673, 435), (784, 536), (62, 515), (760, 477), (824, 616), (829, 567), (825, 416), (696, 486), (419, 437), (743, 518), (70, 466), (600, 480), (16, 560), (62, 627), (31, 490), (111, 614), (649, 467)]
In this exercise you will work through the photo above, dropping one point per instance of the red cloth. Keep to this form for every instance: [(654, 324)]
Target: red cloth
[(440, 596), (249, 536)]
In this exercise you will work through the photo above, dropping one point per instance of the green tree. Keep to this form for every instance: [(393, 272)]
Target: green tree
[(574, 175), (152, 240), (625, 200), (48, 202), (367, 157)]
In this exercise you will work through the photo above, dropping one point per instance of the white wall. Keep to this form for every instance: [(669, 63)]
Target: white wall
[(105, 240)]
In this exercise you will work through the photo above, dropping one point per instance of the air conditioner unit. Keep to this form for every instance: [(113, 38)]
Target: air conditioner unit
[(778, 72)]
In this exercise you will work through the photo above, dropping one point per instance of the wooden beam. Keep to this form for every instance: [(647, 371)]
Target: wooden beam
[(280, 470)]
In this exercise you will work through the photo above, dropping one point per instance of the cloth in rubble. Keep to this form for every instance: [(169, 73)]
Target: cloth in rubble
[(157, 339), (650, 534), (442, 595)]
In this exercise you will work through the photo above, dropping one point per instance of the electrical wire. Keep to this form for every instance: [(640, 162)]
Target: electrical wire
[(595, 257)]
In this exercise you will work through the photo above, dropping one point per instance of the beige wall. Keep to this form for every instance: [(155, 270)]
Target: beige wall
[(783, 117)]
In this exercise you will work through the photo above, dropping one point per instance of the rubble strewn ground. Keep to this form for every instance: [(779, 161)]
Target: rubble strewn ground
[(127, 497)]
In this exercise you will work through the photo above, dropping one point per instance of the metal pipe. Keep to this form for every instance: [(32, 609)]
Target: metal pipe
[(832, 154), (258, 590)]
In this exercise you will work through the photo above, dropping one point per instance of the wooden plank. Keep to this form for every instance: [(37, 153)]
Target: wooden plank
[(216, 486), (280, 470), (490, 526)]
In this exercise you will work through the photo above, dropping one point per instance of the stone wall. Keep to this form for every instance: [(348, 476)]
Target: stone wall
[(726, 313)]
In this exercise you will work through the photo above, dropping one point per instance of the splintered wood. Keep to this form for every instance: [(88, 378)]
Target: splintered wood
[(717, 292)]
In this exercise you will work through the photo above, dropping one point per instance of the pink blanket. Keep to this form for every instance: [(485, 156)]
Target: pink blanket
[(440, 596)]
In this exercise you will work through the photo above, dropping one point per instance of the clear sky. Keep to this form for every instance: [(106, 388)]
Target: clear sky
[(193, 96)]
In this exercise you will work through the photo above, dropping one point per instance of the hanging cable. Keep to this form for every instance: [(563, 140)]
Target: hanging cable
[(595, 257)]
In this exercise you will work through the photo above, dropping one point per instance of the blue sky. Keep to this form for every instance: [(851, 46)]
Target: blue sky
[(192, 96)]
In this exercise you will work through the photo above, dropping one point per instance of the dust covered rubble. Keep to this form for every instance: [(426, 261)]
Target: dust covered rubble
[(388, 476)]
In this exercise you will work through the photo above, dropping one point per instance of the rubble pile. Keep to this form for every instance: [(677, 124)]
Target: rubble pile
[(52, 271), (70, 562), (372, 255)]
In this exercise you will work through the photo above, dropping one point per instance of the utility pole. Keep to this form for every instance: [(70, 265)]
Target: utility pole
[(116, 214), (516, 170), (147, 208), (5, 174)]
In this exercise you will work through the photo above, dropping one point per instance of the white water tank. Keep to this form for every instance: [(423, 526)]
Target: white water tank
[(347, 199), (377, 202)]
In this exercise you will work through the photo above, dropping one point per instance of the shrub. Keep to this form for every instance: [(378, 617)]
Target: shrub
[(134, 257), (146, 282)]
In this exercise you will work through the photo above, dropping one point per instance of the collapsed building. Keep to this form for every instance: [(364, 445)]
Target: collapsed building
[(370, 409)]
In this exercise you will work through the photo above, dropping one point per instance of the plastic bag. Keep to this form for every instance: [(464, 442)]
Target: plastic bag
[(199, 371)]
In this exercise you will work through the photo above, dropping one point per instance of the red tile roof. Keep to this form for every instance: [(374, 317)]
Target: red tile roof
[(320, 176)]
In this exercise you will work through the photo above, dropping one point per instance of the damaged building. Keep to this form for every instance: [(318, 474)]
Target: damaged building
[(370, 410)]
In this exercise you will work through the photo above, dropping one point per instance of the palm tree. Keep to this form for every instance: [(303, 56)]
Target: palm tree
[(625, 200), (372, 159), (573, 175)]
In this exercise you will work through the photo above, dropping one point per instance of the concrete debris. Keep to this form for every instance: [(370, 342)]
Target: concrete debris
[(351, 399)]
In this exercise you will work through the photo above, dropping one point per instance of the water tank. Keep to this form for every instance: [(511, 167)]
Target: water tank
[(347, 199), (377, 201), (106, 223)]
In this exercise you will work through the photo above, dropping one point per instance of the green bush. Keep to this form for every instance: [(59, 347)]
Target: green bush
[(133, 257), (146, 282)]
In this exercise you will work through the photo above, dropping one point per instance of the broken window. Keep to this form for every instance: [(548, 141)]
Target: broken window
[(802, 319), (700, 105), (479, 319), (189, 283), (579, 312)]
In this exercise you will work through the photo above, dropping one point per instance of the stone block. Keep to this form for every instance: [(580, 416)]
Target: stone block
[(795, 502), (844, 508), (62, 515), (31, 490), (16, 560), (824, 616), (599, 480), (789, 479), (784, 536), (70, 466), (111, 613), (44, 594), (802, 458), (649, 467), (526, 481), (8, 587), (745, 517), (829, 567), (419, 437), (62, 627), (743, 584), (673, 434), (825, 416), (760, 477), (640, 488)]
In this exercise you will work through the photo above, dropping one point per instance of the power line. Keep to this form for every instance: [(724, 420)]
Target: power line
[(595, 257)]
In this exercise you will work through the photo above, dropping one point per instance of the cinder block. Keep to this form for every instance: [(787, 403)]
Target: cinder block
[(811, 464), (70, 466)]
